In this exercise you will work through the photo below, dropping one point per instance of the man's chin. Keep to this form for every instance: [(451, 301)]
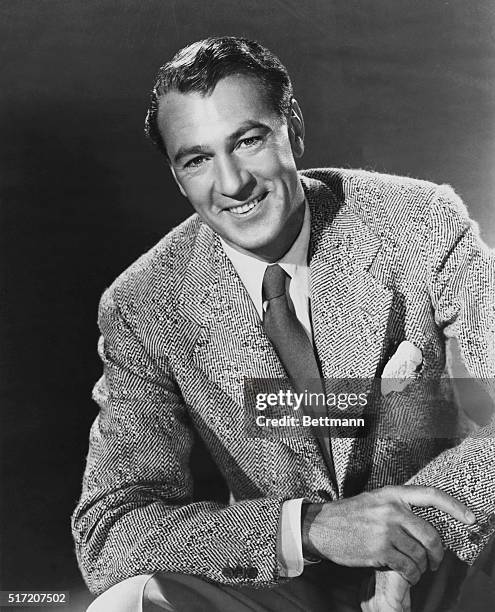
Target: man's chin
[(266, 251)]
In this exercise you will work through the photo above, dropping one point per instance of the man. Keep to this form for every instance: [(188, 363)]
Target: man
[(331, 273)]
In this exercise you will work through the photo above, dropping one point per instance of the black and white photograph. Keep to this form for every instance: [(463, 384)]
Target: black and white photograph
[(247, 306)]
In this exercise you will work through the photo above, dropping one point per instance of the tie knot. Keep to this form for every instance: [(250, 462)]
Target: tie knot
[(274, 282)]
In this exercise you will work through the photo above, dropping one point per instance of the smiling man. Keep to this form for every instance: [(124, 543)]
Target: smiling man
[(281, 274)]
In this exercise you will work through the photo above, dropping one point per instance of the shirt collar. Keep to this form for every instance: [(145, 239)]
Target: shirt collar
[(251, 270)]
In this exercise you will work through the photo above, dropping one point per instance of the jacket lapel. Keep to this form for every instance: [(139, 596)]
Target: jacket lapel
[(349, 306), (231, 344)]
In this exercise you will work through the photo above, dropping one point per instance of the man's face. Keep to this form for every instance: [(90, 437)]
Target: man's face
[(233, 158)]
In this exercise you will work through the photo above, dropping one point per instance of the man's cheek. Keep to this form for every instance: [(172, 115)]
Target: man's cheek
[(268, 162), (199, 197)]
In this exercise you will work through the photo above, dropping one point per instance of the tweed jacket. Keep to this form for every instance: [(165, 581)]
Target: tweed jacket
[(391, 259)]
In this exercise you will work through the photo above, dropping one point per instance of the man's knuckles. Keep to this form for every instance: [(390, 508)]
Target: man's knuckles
[(432, 541), (408, 570), (389, 513)]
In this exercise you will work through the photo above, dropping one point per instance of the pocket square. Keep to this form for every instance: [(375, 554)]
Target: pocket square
[(401, 368)]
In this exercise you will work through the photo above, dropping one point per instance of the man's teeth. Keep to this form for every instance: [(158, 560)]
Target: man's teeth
[(240, 210)]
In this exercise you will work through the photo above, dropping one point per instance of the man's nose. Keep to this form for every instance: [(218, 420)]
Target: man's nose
[(233, 180)]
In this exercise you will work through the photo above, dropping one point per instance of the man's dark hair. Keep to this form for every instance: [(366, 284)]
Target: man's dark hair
[(199, 66)]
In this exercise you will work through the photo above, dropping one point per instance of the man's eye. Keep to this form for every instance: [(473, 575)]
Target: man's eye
[(195, 162), (249, 142)]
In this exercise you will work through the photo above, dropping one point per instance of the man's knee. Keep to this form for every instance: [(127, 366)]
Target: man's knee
[(168, 592), (126, 596)]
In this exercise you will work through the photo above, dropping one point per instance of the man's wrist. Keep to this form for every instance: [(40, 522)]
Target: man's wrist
[(308, 514)]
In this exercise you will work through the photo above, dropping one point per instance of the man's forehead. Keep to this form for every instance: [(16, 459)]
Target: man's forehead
[(239, 83), (235, 99)]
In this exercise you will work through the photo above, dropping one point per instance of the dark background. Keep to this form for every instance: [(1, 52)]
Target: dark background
[(398, 86)]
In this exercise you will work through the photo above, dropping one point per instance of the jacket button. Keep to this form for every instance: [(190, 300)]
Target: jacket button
[(474, 537), (324, 494), (227, 572), (251, 572), (491, 520), (238, 572)]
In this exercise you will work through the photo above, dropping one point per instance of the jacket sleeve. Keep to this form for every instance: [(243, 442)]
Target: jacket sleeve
[(136, 513), (461, 284)]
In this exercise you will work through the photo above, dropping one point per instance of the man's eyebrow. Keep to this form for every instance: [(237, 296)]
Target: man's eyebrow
[(195, 150), (203, 150), (246, 126)]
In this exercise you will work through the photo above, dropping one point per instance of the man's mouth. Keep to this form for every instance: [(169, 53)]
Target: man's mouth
[(245, 209)]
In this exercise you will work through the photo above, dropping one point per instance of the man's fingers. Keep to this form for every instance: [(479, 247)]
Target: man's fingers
[(428, 537), (430, 496), (413, 549), (404, 566)]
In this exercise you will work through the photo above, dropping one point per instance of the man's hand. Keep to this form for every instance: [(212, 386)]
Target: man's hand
[(387, 591), (378, 529)]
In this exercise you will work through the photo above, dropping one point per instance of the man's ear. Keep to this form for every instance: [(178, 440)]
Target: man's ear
[(296, 129), (172, 170)]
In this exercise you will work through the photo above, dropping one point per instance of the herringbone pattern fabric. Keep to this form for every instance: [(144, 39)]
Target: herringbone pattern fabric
[(391, 259)]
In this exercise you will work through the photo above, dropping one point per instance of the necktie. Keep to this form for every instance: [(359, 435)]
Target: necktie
[(292, 345)]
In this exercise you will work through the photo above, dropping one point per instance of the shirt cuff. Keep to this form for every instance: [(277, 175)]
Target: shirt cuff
[(289, 543)]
